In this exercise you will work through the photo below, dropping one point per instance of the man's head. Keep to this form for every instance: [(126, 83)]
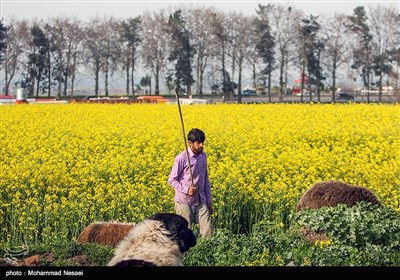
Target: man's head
[(196, 137), (196, 134)]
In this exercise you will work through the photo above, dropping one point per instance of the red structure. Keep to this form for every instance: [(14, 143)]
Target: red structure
[(297, 83)]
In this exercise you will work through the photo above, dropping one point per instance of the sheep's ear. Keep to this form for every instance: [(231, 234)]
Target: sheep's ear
[(186, 239)]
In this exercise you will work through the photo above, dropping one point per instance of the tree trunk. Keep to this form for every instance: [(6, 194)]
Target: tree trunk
[(281, 70), (127, 76), (106, 82), (240, 83), (96, 87), (133, 73), (333, 89)]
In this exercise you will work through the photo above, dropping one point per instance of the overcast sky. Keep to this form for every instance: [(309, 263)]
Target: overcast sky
[(129, 8)]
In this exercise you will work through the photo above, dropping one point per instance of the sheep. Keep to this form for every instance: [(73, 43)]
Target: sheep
[(332, 193), (105, 233), (159, 240)]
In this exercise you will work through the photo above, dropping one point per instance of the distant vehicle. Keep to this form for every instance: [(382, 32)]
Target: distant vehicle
[(249, 92), (87, 97), (305, 94), (344, 96)]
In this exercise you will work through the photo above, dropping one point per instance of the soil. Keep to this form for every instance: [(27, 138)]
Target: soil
[(46, 259)]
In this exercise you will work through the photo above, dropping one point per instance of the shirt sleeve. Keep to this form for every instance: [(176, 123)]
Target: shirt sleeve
[(175, 178)]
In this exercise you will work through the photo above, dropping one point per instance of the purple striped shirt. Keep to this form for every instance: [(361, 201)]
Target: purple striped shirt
[(179, 178)]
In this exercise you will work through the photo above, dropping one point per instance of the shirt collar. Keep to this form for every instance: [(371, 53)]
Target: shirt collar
[(192, 154)]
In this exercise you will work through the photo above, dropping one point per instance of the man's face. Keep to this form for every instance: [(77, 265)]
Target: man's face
[(197, 147)]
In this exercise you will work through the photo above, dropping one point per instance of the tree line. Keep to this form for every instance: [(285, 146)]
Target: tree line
[(190, 48)]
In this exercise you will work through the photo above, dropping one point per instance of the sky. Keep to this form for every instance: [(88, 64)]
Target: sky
[(85, 10)]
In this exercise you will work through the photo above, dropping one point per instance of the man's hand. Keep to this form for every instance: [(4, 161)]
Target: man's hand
[(192, 190), (210, 209)]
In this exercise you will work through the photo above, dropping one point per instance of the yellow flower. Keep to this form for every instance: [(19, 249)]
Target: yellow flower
[(323, 243), (66, 165)]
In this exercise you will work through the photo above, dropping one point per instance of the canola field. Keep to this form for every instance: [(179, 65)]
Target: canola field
[(65, 166)]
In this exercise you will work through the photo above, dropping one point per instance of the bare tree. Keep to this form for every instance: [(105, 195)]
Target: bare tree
[(242, 42), (130, 42), (102, 48), (110, 51), (56, 34), (17, 44), (155, 42), (384, 23), (283, 22), (201, 35), (65, 37), (336, 47), (221, 33), (73, 52), (93, 47)]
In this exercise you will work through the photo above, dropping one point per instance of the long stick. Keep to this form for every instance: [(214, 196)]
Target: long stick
[(184, 135)]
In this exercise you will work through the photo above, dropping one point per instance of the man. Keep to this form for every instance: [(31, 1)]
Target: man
[(193, 191)]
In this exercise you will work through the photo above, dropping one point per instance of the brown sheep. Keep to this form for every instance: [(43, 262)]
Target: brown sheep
[(331, 193), (105, 233)]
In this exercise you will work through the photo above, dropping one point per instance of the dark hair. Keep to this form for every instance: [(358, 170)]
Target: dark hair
[(196, 134)]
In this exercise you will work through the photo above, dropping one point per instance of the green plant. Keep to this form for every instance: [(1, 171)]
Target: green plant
[(361, 225)]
